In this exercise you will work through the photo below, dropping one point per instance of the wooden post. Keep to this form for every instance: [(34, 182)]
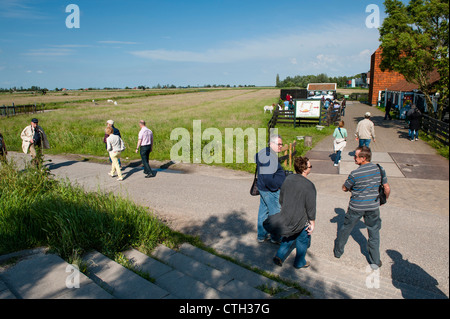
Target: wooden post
[(290, 155), (308, 141)]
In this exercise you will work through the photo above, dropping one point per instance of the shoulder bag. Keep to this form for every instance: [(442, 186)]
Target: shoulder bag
[(254, 189), (381, 193)]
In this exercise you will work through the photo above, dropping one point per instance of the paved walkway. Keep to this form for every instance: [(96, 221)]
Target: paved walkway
[(214, 204)]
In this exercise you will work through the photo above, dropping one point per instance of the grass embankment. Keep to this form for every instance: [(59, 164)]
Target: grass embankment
[(37, 210)]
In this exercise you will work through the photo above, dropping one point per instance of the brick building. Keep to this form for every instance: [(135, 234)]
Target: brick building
[(379, 80)]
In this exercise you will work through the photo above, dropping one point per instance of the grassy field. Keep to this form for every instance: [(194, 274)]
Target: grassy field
[(75, 125)]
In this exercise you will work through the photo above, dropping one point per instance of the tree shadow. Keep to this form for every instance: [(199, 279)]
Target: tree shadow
[(403, 271), (235, 236)]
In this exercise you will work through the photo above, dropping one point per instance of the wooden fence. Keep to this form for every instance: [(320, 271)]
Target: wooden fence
[(327, 117), (438, 129), (289, 153), (20, 109)]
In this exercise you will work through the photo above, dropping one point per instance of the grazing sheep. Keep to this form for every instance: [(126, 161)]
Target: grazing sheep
[(115, 102), (268, 108), (110, 101)]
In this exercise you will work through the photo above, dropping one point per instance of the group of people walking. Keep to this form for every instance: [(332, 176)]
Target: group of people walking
[(287, 209), (364, 134), (115, 145), (34, 141)]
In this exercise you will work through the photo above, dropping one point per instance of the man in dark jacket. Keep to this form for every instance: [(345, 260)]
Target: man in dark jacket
[(414, 117), (270, 178), (387, 109)]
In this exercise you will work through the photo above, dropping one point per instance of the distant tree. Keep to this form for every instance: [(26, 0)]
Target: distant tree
[(414, 40)]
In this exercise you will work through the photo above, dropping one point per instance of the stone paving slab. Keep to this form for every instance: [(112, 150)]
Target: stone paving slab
[(121, 282), (43, 276), (186, 287), (151, 266), (206, 273), (422, 166), (237, 272)]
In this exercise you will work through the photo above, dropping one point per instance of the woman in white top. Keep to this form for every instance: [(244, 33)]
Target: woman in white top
[(114, 145), (340, 137)]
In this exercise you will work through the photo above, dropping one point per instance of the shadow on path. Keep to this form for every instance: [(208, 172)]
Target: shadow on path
[(409, 273), (237, 235)]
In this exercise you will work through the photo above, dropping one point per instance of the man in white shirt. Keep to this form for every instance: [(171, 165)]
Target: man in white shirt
[(365, 131), (145, 145)]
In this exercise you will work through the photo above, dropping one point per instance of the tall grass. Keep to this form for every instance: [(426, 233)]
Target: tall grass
[(36, 210)]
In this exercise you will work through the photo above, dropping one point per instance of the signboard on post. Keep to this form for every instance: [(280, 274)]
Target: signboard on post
[(308, 110)]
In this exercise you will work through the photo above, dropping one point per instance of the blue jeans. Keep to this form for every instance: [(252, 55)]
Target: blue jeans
[(372, 221), (338, 157), (301, 241), (269, 204), (413, 134), (364, 142)]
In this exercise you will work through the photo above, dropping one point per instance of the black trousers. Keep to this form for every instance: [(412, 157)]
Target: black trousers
[(145, 154)]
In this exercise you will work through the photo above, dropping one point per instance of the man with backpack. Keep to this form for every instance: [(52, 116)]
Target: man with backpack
[(34, 140)]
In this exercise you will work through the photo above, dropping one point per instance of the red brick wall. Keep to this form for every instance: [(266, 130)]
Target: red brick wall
[(379, 80)]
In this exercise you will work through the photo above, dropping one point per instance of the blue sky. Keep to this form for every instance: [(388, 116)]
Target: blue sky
[(129, 43)]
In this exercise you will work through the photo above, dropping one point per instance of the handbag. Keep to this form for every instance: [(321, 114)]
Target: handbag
[(254, 189), (381, 193)]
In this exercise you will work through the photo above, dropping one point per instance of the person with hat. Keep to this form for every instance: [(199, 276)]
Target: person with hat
[(34, 140), (110, 123), (365, 131)]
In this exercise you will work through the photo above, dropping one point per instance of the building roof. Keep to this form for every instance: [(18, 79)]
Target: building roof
[(405, 86), (322, 87)]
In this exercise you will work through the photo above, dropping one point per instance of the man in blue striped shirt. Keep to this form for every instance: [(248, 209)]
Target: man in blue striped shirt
[(364, 202)]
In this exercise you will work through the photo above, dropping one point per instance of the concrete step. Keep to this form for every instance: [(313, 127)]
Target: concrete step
[(119, 281), (45, 276), (242, 274), (223, 275), (189, 273), (178, 283)]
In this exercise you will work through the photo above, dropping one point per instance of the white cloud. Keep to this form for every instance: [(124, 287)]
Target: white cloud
[(49, 52), (319, 48), (71, 46), (19, 9), (117, 42), (365, 53)]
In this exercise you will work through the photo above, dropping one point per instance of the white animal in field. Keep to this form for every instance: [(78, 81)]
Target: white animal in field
[(110, 101), (268, 108), (115, 102)]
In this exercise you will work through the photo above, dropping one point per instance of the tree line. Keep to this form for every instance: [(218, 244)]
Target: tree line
[(302, 81)]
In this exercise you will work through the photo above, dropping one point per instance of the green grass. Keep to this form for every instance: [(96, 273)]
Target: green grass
[(36, 210), (78, 127)]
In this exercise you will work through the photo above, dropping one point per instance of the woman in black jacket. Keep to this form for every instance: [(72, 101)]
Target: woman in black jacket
[(414, 117)]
